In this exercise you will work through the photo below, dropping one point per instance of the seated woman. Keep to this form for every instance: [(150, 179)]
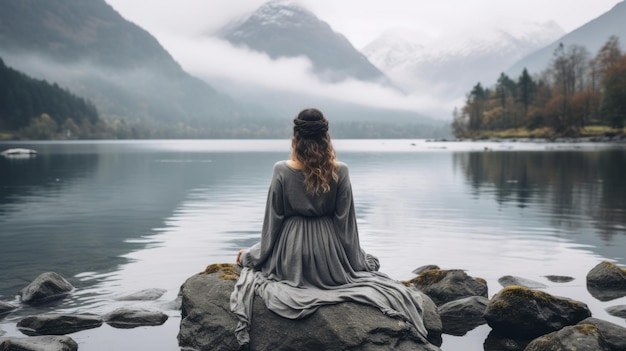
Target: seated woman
[(309, 254)]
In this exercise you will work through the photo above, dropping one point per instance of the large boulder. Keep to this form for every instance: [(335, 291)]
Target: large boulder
[(581, 337), (46, 287), (39, 343), (462, 315), (448, 285), (606, 281), (127, 318), (208, 324), (58, 324), (614, 334), (432, 320), (522, 312)]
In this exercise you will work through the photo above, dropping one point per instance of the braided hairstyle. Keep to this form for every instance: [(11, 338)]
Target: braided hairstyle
[(311, 146)]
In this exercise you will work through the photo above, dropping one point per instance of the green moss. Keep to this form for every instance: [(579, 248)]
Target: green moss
[(227, 271), (429, 277), (587, 328), (613, 265)]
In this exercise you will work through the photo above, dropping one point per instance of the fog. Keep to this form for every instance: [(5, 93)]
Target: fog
[(238, 70)]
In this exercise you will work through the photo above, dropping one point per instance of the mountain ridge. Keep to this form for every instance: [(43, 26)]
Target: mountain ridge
[(591, 35), (286, 29)]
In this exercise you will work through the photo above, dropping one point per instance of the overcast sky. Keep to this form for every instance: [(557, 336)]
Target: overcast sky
[(363, 20), (181, 27)]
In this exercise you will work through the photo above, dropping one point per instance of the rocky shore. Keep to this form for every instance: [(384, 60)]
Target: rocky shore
[(520, 316)]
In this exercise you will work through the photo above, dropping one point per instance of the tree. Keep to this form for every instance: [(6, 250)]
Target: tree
[(526, 88), (614, 97), (475, 106)]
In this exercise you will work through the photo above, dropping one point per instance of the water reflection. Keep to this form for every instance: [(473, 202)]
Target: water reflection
[(569, 186)]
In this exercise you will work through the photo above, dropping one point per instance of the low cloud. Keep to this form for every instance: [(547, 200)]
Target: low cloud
[(212, 59)]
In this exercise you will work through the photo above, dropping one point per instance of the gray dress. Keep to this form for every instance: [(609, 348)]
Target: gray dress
[(309, 256)]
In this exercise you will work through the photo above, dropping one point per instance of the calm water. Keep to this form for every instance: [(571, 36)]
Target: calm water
[(118, 217)]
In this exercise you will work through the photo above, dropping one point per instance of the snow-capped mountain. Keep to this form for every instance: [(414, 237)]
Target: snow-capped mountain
[(286, 29), (450, 66), (592, 36)]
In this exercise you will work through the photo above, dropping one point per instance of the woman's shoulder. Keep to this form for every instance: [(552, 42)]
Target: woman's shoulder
[(341, 165)]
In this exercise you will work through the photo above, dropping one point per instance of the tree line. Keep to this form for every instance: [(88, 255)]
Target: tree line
[(576, 90), (35, 109)]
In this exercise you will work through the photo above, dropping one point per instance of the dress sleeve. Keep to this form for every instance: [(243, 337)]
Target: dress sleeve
[(255, 256), (346, 226)]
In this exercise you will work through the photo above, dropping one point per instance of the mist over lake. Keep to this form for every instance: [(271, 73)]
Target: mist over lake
[(116, 217)]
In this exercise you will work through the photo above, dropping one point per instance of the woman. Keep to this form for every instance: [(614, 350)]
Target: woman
[(309, 254)]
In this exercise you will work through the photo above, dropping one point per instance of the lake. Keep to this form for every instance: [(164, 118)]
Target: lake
[(116, 217)]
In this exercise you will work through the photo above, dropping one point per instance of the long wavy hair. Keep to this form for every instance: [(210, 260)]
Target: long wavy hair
[(312, 148)]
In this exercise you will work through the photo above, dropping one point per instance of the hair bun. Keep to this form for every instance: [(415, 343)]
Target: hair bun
[(310, 129)]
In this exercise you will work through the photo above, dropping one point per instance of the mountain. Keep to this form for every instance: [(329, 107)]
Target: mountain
[(591, 35), (285, 29), (447, 67), (89, 48), (28, 105)]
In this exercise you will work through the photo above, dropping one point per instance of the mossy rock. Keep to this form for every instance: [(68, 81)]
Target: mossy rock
[(522, 312), (443, 286), (581, 337), (227, 271), (607, 281)]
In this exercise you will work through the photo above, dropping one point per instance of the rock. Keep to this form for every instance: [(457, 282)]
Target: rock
[(127, 318), (208, 324), (509, 280), (497, 342), (144, 295), (6, 307), (61, 324), (614, 334), (581, 337), (448, 285), (420, 270), (462, 315), (39, 343), (46, 287), (559, 278), (617, 311), (606, 281), (432, 320), (521, 312)]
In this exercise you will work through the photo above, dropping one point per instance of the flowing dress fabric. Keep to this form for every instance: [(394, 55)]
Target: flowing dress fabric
[(309, 256)]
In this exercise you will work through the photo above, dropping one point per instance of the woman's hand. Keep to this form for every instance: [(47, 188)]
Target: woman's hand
[(238, 260)]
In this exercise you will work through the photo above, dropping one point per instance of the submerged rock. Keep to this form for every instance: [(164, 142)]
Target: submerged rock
[(509, 280), (448, 285), (143, 295), (522, 312), (559, 278), (208, 324), (614, 334), (462, 315), (57, 324), (606, 281), (6, 307), (581, 337), (46, 287), (127, 318), (617, 311), (39, 343), (422, 269)]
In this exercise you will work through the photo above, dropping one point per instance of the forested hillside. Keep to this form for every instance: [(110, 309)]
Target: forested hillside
[(35, 109), (575, 91)]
